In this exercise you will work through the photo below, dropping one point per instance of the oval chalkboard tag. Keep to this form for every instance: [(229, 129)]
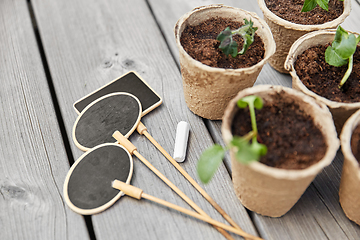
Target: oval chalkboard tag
[(88, 184), (101, 118)]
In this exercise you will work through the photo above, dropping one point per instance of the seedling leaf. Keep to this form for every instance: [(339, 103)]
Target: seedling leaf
[(332, 58), (347, 46), (244, 152), (252, 99), (224, 34), (247, 152), (229, 46), (209, 162), (247, 148), (261, 149), (311, 4), (341, 51), (308, 5), (324, 4)]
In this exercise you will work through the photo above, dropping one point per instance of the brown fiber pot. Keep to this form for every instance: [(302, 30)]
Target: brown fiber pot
[(208, 90), (285, 33), (349, 192), (340, 111), (272, 191)]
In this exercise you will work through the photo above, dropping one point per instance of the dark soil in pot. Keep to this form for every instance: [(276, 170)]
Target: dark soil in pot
[(323, 79), (355, 143), (290, 10), (200, 43), (292, 139)]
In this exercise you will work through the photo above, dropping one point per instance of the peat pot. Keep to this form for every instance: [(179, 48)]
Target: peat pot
[(273, 191), (285, 32), (349, 192), (208, 90), (339, 110)]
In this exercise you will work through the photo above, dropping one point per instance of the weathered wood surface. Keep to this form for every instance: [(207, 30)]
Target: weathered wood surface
[(88, 44), (318, 214), (33, 161)]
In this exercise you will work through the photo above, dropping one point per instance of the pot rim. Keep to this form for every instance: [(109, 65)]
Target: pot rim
[(345, 140), (301, 27), (269, 51), (292, 56), (330, 134)]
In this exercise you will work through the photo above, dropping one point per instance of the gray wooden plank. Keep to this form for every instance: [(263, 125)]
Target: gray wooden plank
[(88, 44), (33, 160), (324, 218)]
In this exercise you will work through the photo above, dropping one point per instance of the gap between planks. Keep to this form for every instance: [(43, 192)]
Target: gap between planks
[(55, 103)]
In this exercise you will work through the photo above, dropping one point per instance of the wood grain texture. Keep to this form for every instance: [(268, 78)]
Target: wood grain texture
[(90, 43), (318, 214), (33, 162)]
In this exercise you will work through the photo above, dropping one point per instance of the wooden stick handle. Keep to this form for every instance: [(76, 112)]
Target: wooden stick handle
[(127, 189), (124, 142), (132, 149), (143, 130), (138, 194)]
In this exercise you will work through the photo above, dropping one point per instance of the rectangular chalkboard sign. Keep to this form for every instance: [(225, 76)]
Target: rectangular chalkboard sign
[(130, 82)]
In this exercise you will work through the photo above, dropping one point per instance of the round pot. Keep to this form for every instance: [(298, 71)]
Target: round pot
[(340, 111), (207, 90), (285, 33), (349, 192), (273, 191)]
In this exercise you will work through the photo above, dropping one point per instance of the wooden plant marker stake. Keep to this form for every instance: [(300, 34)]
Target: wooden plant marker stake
[(138, 193), (86, 187), (141, 129), (133, 151), (149, 100)]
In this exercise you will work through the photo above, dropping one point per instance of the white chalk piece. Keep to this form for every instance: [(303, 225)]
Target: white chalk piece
[(182, 135)]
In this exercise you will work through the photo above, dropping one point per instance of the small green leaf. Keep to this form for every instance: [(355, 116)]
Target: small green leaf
[(229, 46), (308, 5), (209, 162), (248, 40), (340, 32), (241, 103), (341, 51), (259, 148), (324, 4), (346, 47), (332, 58), (245, 101), (311, 4), (244, 153), (224, 34)]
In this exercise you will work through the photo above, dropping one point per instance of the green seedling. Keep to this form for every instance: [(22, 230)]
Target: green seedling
[(247, 148), (311, 4), (341, 51), (227, 43)]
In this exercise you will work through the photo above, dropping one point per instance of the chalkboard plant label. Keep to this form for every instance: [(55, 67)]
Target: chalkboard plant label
[(300, 138), (247, 147), (349, 192), (211, 77), (288, 22), (320, 62)]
